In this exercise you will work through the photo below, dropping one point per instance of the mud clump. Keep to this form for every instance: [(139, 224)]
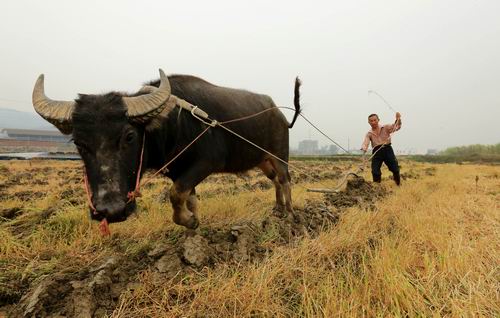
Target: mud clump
[(90, 293), (319, 216), (431, 171), (10, 214), (4, 170), (169, 264), (196, 251), (411, 175), (357, 192), (35, 303)]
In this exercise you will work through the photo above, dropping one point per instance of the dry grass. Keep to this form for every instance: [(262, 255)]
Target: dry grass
[(431, 248)]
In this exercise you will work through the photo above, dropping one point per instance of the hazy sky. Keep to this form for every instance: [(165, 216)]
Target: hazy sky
[(437, 62)]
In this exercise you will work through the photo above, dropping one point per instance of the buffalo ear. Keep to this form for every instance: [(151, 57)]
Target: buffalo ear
[(64, 129)]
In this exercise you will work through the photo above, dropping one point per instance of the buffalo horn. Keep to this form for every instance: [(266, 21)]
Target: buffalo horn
[(58, 113), (144, 107)]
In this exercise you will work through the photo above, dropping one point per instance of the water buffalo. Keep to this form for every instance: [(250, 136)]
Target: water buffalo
[(109, 131)]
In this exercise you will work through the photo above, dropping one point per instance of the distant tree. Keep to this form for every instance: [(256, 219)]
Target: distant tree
[(473, 150)]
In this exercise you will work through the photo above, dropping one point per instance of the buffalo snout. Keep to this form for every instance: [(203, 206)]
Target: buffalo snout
[(112, 211)]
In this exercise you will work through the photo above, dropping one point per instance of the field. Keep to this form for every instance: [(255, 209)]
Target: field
[(429, 248)]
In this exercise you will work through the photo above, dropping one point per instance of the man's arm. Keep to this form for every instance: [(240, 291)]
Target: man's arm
[(366, 142), (397, 124)]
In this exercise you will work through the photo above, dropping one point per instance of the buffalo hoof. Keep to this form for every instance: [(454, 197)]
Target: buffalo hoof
[(193, 223), (297, 218), (279, 208), (279, 211)]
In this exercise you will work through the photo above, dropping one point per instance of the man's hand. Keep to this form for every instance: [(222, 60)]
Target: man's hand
[(364, 157)]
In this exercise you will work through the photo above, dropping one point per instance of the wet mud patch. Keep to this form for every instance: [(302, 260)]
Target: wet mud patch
[(74, 195), (20, 178), (28, 195), (12, 285), (255, 180), (10, 213), (316, 174), (25, 223)]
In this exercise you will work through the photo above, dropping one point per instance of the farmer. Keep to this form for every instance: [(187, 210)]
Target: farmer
[(380, 137)]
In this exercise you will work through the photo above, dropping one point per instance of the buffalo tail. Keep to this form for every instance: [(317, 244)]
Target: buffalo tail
[(296, 101)]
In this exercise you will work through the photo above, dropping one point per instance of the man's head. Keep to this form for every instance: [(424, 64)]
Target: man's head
[(373, 120)]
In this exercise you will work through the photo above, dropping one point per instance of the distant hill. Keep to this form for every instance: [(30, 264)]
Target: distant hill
[(10, 118)]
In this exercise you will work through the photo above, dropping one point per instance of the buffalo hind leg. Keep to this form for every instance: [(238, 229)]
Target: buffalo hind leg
[(284, 180), (268, 170)]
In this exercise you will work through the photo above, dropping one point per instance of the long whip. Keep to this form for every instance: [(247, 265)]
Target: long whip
[(382, 98)]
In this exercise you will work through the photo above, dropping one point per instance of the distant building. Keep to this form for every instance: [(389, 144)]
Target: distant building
[(308, 147), (333, 150), (432, 152), (355, 151), (34, 135), (27, 140), (311, 147)]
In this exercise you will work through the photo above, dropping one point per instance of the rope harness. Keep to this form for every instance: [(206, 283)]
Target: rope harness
[(203, 117)]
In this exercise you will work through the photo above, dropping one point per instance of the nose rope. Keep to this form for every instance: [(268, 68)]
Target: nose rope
[(137, 191), (87, 190)]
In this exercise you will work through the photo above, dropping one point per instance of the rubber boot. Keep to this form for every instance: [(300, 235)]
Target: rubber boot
[(377, 179)]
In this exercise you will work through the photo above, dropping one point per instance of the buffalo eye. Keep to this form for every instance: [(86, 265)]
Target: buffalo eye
[(129, 137)]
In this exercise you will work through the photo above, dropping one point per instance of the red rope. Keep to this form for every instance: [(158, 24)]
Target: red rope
[(87, 190), (137, 191)]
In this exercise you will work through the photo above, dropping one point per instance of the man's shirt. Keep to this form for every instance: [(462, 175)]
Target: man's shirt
[(381, 135)]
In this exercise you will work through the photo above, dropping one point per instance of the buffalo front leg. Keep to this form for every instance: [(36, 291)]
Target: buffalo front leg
[(181, 200), (183, 195), (192, 202)]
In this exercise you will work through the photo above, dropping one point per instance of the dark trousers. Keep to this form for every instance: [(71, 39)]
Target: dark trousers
[(385, 155)]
